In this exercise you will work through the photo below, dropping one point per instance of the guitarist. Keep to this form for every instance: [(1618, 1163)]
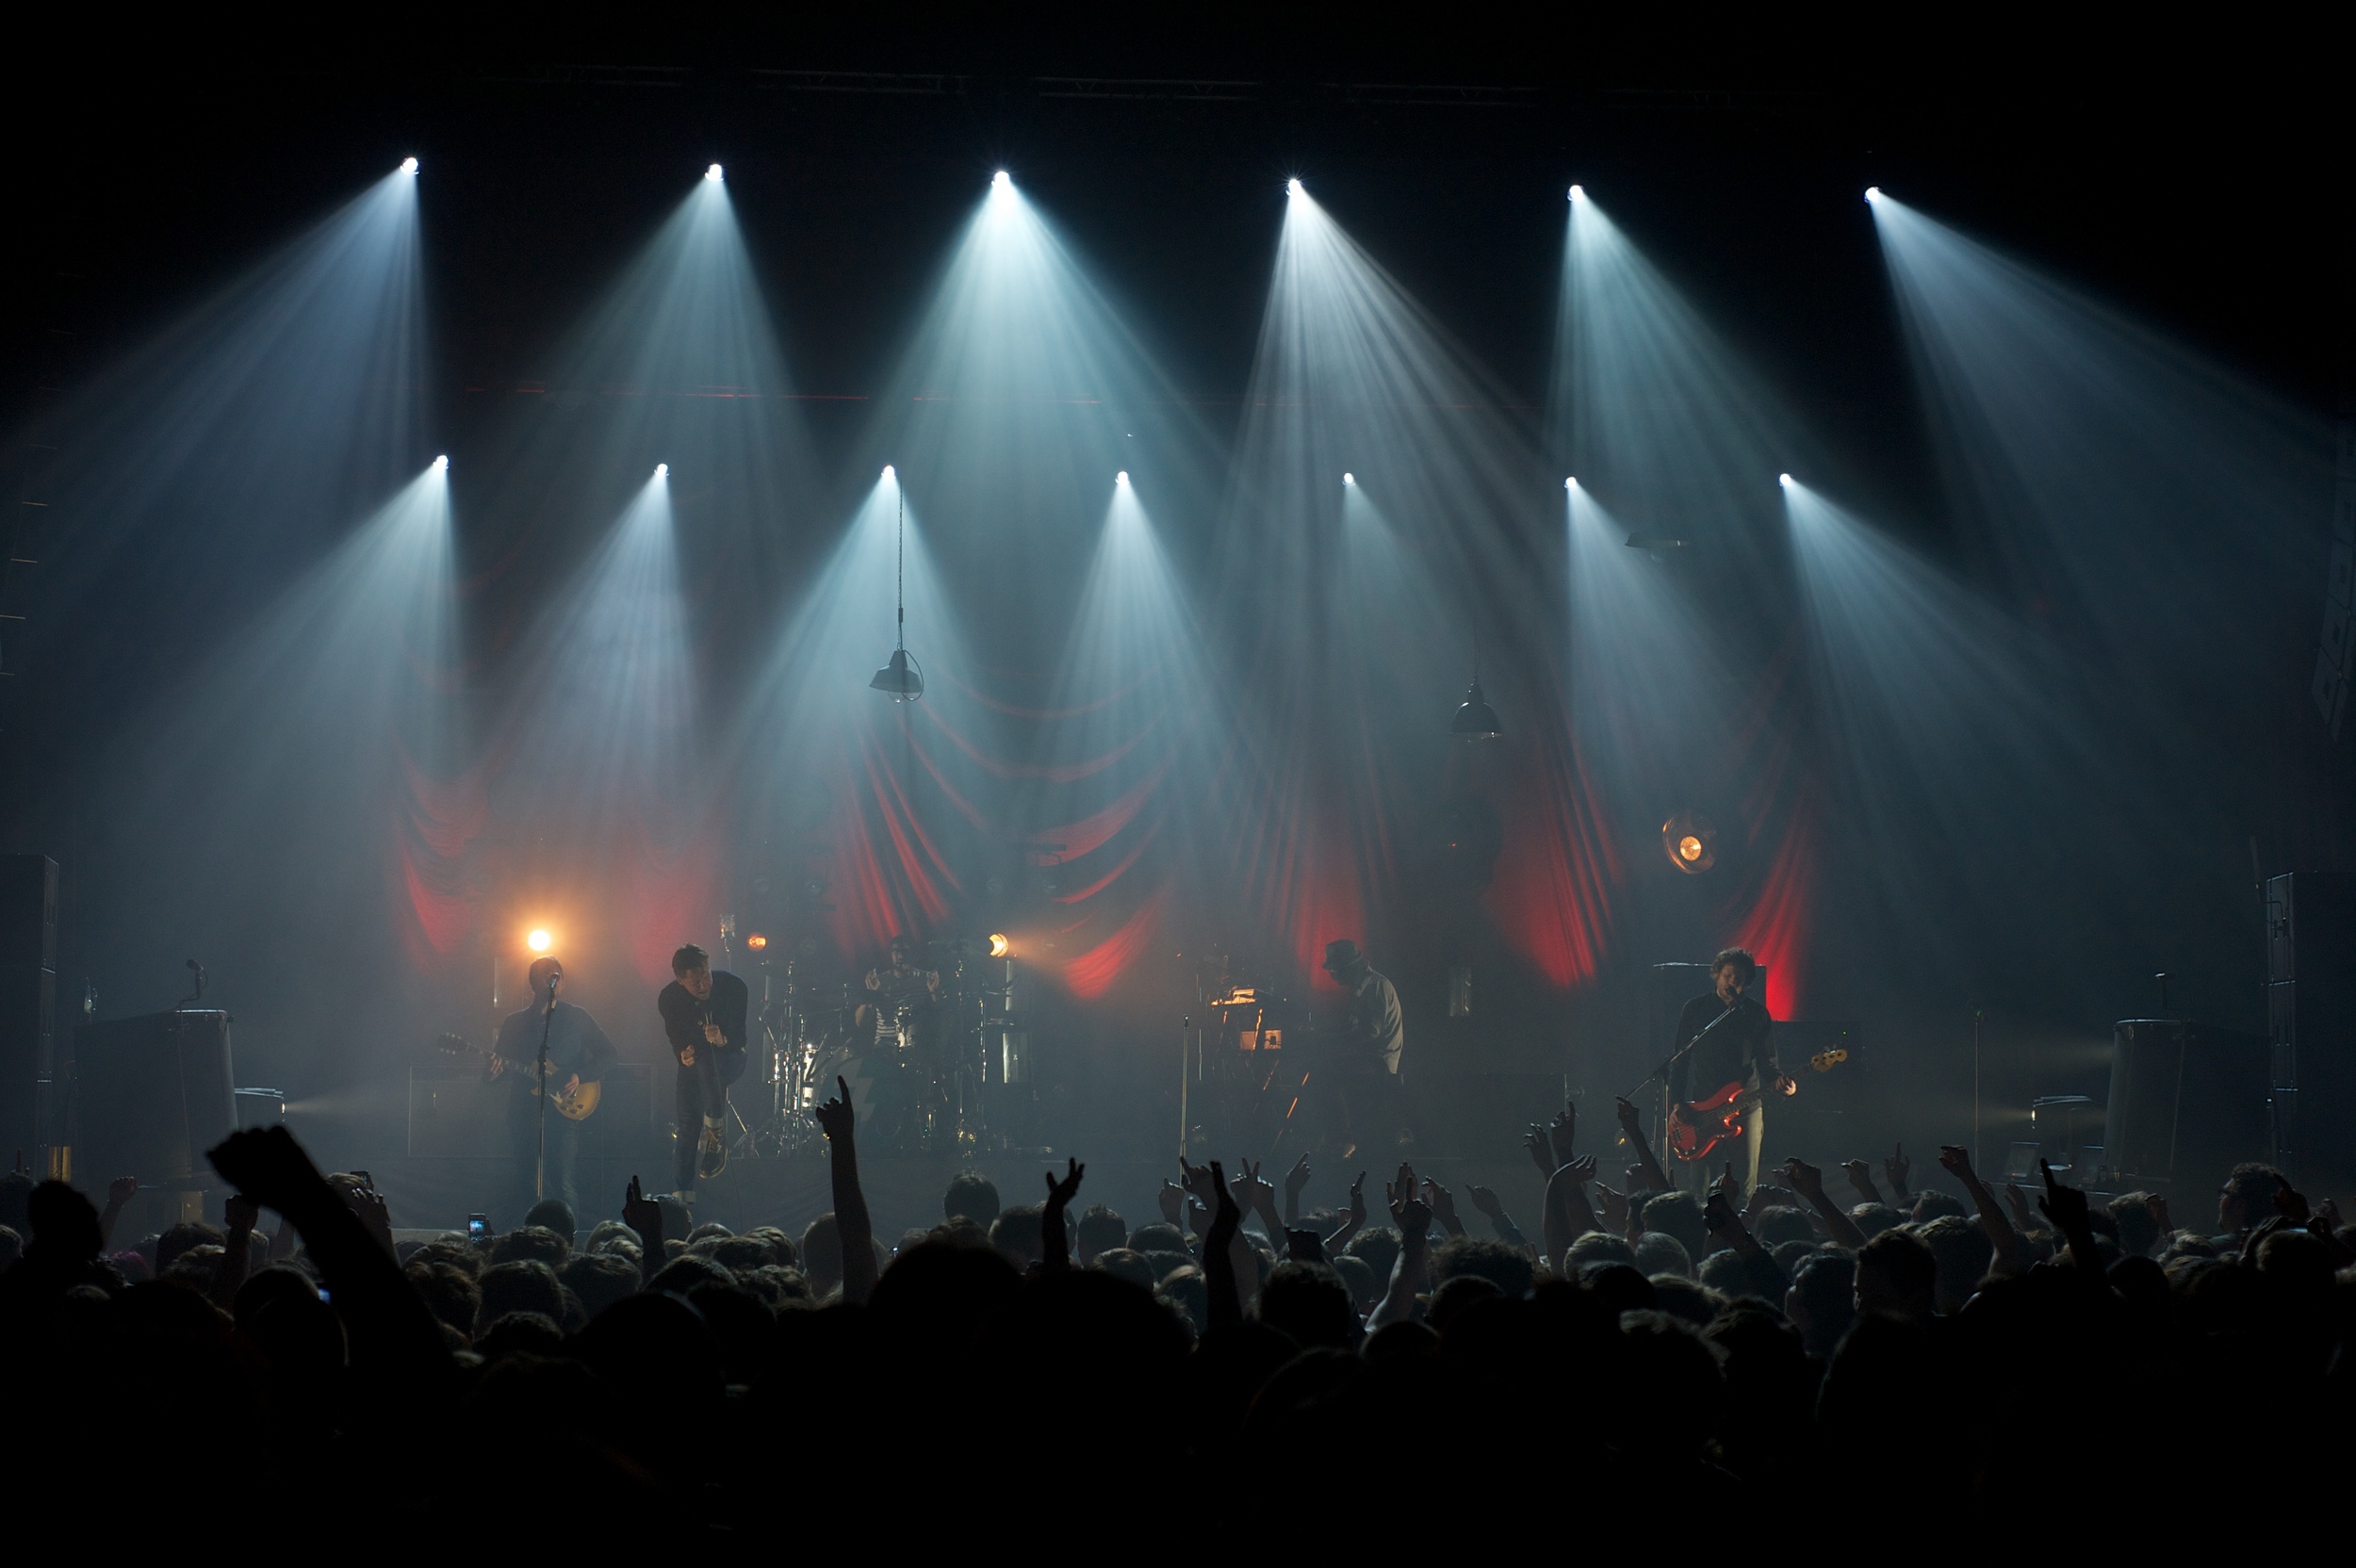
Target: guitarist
[(578, 1053), (704, 1019), (1740, 1049)]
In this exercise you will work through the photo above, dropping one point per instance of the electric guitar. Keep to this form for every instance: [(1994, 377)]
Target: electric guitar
[(1697, 1128), (579, 1105)]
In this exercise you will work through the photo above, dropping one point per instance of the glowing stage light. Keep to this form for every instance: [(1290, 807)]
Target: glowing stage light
[(888, 472), (1571, 483), (756, 941), (1294, 188), (1349, 479), (409, 166), (712, 173), (1784, 480), (1690, 842), (662, 470), (441, 463), (1121, 478), (1578, 193), (538, 939), (1002, 182), (1873, 194), (1000, 945), (901, 678)]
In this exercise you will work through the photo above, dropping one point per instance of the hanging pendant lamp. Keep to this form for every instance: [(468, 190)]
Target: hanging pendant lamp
[(901, 678)]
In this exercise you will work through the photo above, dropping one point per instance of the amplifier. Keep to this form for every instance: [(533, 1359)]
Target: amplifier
[(2188, 1104), (151, 1094)]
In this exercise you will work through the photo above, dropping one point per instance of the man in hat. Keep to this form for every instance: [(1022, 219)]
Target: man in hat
[(1363, 1058)]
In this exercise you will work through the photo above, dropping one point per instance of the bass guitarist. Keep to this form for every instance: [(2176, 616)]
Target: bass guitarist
[(1736, 1046), (578, 1055)]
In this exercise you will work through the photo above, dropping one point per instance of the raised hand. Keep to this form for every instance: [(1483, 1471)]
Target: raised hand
[(1408, 1213), (1804, 1178), (1226, 1213), (2018, 1202), (1616, 1208), (1251, 1193), (1631, 1119), (268, 1166), (1059, 1193), (1563, 1130), (1582, 1169), (1636, 1180), (1896, 1168), (1172, 1198), (122, 1190), (1442, 1205), (1199, 1181), (644, 1215), (835, 1118), (1357, 1211), (1860, 1176), (1540, 1149), (238, 1212), (1955, 1161), (1296, 1179), (2065, 1206), (1486, 1202), (1730, 1188)]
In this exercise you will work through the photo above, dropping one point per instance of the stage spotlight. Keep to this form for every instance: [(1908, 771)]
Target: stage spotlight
[(1121, 478), (1873, 194), (889, 474), (712, 173), (1690, 842), (756, 941), (1002, 182), (1349, 479), (441, 463), (538, 939), (662, 470), (1784, 480), (1571, 483), (1578, 193), (1000, 946), (409, 166), (1294, 188)]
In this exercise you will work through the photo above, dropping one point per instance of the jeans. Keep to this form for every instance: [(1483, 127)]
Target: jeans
[(564, 1147), (700, 1094)]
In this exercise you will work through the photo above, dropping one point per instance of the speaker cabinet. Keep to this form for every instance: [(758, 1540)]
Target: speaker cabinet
[(151, 1095), (2311, 1024), (2188, 1104)]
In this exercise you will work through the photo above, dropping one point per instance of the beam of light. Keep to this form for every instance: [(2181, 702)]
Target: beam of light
[(1972, 758), (2110, 470), (712, 173), (1344, 594), (607, 731), (260, 791), (842, 776)]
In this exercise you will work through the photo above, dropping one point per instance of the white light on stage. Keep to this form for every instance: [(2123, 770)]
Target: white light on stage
[(712, 173), (1294, 188), (409, 166), (1121, 478), (1349, 479), (1873, 194), (661, 470), (1784, 480), (1578, 193), (888, 473), (1002, 182), (1571, 483), (441, 463)]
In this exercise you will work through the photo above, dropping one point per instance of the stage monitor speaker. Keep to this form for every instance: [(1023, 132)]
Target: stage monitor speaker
[(2188, 1104), (2311, 1024), (151, 1095), (28, 994)]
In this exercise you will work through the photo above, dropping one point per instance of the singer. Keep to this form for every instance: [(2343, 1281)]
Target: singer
[(578, 1053), (704, 1019)]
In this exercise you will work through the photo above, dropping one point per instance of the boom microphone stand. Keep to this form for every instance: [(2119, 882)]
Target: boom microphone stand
[(540, 1088)]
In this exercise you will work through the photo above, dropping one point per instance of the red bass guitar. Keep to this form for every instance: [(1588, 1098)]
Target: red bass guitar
[(1701, 1125)]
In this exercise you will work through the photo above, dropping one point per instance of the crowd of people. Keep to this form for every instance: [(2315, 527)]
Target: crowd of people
[(647, 1379)]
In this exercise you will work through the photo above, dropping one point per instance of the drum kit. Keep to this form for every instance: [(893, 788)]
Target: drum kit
[(905, 1087)]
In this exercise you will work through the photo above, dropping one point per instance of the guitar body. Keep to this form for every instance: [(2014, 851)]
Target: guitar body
[(579, 1105), (1697, 1128)]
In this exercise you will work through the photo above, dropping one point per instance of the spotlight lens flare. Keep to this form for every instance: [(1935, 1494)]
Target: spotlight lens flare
[(1689, 848), (712, 173), (662, 470), (1349, 479), (440, 463), (1002, 182), (1784, 480), (756, 941), (1873, 194), (1571, 483), (1121, 478), (1578, 193), (409, 166), (888, 472), (538, 939), (1294, 188), (999, 945)]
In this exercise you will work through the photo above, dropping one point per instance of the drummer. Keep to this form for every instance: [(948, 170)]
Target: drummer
[(904, 993)]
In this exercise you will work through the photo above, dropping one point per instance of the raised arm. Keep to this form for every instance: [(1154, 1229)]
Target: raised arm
[(1443, 1206), (1295, 1179), (1219, 1258), (1055, 1246), (1632, 1129), (644, 1215), (119, 1192), (1568, 1216), (836, 1120), (2006, 1241), (1760, 1271), (238, 1216), (1860, 1176), (1896, 1168), (2067, 1208), (1414, 1218), (1490, 1205), (1809, 1182), (1353, 1220)]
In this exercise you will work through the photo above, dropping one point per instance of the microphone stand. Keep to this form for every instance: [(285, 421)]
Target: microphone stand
[(1670, 1063), (540, 1091)]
